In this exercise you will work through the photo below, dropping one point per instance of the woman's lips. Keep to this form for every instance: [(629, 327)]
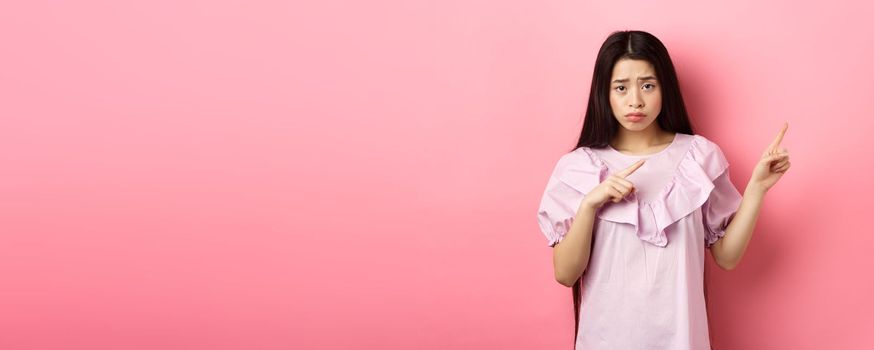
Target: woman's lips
[(635, 117)]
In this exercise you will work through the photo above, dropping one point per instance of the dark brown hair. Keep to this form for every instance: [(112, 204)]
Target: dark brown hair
[(600, 126)]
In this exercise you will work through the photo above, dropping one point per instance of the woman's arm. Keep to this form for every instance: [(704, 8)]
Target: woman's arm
[(729, 249), (571, 256), (774, 162)]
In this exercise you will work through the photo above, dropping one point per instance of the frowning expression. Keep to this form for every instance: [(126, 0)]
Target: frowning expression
[(635, 94)]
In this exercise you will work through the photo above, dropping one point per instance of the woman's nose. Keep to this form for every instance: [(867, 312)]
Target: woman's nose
[(636, 100)]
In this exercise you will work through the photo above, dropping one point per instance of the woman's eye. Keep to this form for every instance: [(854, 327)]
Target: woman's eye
[(649, 85), (619, 87)]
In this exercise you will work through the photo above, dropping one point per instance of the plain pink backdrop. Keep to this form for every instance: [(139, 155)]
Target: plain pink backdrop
[(365, 175)]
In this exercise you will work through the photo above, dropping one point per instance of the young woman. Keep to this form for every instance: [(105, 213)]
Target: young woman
[(631, 210)]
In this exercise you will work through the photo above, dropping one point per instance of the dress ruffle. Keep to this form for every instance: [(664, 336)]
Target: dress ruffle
[(688, 190)]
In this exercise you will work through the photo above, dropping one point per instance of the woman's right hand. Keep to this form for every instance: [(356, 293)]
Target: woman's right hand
[(614, 188)]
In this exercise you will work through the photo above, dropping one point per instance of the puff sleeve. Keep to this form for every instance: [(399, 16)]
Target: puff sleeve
[(574, 175), (722, 204), (556, 212)]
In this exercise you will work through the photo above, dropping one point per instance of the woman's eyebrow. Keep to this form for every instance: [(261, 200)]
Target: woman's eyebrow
[(648, 77)]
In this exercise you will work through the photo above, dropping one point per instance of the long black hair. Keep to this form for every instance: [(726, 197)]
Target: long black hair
[(600, 126)]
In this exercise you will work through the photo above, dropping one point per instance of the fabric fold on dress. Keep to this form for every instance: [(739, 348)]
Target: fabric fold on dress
[(688, 190)]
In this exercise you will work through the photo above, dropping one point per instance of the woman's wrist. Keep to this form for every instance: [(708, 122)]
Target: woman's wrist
[(755, 190), (587, 205)]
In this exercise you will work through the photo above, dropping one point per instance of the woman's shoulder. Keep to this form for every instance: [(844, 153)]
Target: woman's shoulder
[(581, 157), (708, 155), (705, 143), (579, 168)]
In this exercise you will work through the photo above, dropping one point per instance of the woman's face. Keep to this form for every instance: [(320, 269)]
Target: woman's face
[(634, 89)]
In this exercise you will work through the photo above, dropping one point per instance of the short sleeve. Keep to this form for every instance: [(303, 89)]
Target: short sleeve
[(557, 211), (721, 205), (574, 175)]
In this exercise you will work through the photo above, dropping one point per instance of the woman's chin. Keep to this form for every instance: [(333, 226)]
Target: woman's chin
[(634, 126)]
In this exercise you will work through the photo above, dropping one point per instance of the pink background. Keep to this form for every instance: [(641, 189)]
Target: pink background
[(365, 175)]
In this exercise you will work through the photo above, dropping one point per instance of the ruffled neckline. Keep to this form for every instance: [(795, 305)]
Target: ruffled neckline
[(686, 191)]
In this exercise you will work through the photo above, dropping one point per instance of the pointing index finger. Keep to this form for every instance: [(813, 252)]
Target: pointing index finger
[(776, 143), (629, 170)]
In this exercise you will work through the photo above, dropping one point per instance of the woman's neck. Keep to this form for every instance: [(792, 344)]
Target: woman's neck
[(644, 141)]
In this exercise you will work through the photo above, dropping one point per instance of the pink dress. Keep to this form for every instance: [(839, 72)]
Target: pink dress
[(644, 284)]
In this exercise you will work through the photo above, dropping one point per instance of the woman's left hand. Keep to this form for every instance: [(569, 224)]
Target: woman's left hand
[(773, 164)]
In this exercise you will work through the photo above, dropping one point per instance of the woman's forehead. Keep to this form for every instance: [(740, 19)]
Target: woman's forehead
[(627, 69)]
